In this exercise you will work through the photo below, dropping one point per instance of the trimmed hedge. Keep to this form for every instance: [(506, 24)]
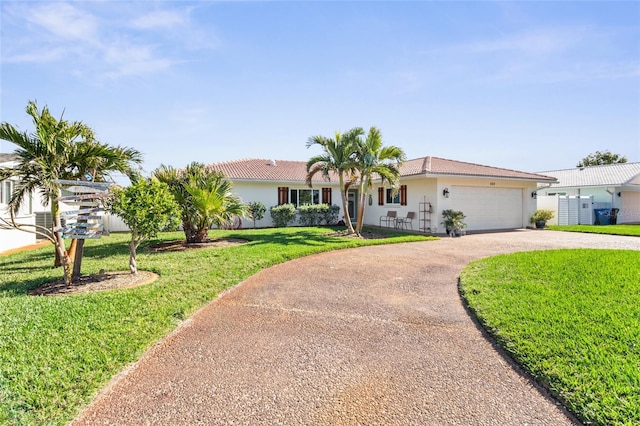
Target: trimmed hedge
[(282, 214), (317, 214)]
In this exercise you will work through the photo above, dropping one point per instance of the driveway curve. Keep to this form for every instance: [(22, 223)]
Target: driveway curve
[(373, 335)]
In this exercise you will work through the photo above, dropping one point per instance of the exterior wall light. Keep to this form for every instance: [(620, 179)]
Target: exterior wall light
[(445, 193), (370, 199), (534, 195)]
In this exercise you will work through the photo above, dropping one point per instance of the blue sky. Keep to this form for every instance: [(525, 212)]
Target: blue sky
[(530, 86)]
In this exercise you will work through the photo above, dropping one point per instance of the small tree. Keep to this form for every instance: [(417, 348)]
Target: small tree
[(255, 211), (146, 206), (600, 158)]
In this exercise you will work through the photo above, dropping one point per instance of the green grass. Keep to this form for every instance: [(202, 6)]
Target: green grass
[(57, 352), (571, 318), (631, 230)]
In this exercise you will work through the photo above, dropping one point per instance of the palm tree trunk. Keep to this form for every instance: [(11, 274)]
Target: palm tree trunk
[(55, 216), (201, 235), (345, 206), (361, 206)]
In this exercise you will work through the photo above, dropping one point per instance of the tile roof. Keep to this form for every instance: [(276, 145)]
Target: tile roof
[(5, 158), (605, 175), (441, 166), (253, 169)]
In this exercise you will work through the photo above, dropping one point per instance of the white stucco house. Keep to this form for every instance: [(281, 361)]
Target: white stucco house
[(609, 186), (491, 198), (12, 238)]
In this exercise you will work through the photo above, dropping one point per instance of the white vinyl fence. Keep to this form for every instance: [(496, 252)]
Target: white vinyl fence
[(570, 209)]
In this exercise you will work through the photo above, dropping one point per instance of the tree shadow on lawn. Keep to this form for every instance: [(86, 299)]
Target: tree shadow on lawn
[(23, 287), (288, 238), (304, 237), (25, 266)]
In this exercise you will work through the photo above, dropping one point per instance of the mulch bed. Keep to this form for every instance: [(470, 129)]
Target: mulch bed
[(96, 282)]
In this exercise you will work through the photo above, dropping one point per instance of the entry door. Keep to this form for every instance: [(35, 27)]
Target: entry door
[(352, 204)]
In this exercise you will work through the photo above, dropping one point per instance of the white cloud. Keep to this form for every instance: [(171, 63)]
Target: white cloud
[(36, 56), (161, 19), (534, 42), (129, 60), (100, 39), (63, 21)]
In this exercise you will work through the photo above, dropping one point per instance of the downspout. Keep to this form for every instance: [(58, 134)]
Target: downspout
[(612, 196), (544, 187)]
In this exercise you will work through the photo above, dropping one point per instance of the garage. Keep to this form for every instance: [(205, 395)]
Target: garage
[(489, 208)]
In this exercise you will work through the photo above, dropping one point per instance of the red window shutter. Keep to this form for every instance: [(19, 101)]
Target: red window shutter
[(381, 196), (326, 196), (403, 195), (283, 195)]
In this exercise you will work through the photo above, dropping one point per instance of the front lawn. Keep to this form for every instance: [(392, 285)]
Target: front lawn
[(631, 230), (571, 318), (57, 352)]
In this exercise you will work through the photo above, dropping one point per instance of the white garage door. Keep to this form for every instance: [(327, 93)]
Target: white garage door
[(630, 207), (489, 208)]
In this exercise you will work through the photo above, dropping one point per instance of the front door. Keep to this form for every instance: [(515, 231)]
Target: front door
[(352, 204)]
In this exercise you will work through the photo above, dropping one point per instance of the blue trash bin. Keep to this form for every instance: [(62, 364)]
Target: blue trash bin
[(602, 216)]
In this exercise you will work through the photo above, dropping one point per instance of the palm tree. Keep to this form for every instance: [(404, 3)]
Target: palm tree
[(204, 196), (339, 157), (375, 159), (58, 149), (213, 204)]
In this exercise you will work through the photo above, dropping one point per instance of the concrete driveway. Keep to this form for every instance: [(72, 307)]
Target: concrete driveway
[(374, 335)]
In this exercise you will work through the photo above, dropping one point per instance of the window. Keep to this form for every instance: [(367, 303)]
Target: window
[(391, 198), (6, 188), (400, 196), (299, 197), (381, 196)]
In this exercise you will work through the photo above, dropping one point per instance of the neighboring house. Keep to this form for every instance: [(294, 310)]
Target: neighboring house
[(491, 198), (12, 238), (611, 186)]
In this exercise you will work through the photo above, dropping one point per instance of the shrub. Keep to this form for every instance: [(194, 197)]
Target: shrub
[(317, 214), (331, 215), (282, 214), (310, 214), (541, 216), (453, 220)]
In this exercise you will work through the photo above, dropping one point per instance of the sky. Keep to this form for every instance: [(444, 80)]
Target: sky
[(524, 85)]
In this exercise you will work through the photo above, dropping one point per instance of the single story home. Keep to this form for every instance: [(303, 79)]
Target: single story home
[(12, 238), (491, 198), (610, 186)]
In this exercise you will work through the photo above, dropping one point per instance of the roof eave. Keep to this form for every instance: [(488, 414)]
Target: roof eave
[(459, 175), (280, 181)]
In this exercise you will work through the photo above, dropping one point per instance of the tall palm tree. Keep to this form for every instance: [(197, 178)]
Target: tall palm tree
[(58, 149), (374, 159), (339, 157), (204, 196)]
